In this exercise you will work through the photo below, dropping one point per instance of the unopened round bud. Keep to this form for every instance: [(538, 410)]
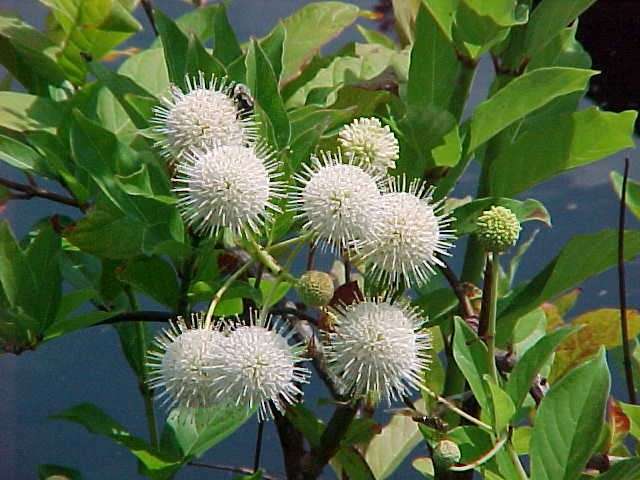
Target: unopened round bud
[(446, 453), (315, 288), (498, 229)]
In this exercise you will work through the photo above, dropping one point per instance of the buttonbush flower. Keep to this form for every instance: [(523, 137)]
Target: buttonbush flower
[(368, 142), (337, 200), (378, 348), (228, 186), (204, 116), (410, 234), (260, 367), (180, 364)]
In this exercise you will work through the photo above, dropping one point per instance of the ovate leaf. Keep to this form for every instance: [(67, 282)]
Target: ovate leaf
[(569, 421), (521, 97)]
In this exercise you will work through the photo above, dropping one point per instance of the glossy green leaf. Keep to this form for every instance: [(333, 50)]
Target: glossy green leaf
[(529, 365), (148, 68), (99, 423), (581, 258), (569, 420), (154, 277), (89, 27), (175, 45), (22, 112), (28, 55), (200, 61), (21, 156), (557, 143), (473, 441), (522, 96), (390, 448), (526, 210), (470, 354), (373, 36), (273, 46), (122, 88), (548, 19), (434, 65), (200, 21), (632, 195), (308, 29), (625, 469), (262, 81), (226, 46), (503, 407), (194, 432), (563, 51)]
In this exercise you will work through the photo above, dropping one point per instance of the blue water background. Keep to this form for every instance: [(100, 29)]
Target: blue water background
[(88, 367)]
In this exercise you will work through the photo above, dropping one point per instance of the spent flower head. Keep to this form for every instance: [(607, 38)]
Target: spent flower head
[(498, 229), (204, 116), (379, 349), (369, 143), (228, 186), (410, 234), (337, 200), (181, 360), (261, 368)]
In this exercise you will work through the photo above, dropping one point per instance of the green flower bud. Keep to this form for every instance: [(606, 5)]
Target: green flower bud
[(446, 453), (498, 229), (315, 288)]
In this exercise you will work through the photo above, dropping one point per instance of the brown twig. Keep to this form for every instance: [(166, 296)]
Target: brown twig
[(623, 289), (31, 190), (230, 468), (456, 286)]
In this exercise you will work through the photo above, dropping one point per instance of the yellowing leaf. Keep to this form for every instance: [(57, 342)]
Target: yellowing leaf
[(599, 328)]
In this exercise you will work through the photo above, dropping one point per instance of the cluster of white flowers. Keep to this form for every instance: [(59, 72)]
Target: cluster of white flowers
[(225, 177), (253, 365)]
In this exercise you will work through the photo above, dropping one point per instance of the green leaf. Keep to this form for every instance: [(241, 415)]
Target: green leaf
[(175, 45), (47, 472), (122, 88), (21, 112), (483, 24), (154, 277), (563, 51), (548, 19), (273, 46), (569, 420), (91, 27), (405, 13), (99, 423), (581, 258), (557, 143), (373, 36), (473, 441), (526, 210), (503, 407), (138, 66), (434, 65), (78, 322), (262, 81), (199, 60), (632, 195), (194, 432), (200, 21), (623, 470), (28, 55), (21, 156), (522, 96), (309, 29), (226, 46), (530, 363), (470, 354), (387, 450)]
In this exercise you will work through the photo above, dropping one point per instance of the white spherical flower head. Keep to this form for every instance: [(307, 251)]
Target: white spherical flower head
[(379, 349), (367, 141), (204, 116), (180, 364), (260, 368), (228, 186), (410, 235), (337, 200)]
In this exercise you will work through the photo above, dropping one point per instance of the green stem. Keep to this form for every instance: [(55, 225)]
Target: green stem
[(221, 291), (264, 257), (491, 288), (286, 243), (145, 391), (522, 475)]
